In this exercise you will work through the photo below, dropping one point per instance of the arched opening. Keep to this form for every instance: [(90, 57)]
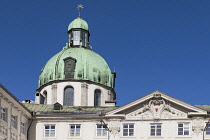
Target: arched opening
[(68, 98), (42, 99), (45, 95), (97, 97), (69, 67)]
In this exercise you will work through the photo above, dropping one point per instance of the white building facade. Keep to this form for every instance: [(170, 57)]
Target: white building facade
[(154, 116), (15, 117)]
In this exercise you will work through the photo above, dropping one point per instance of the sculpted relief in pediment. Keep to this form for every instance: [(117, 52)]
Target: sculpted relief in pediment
[(157, 108)]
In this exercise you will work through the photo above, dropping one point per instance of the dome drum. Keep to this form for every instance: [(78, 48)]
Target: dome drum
[(82, 93)]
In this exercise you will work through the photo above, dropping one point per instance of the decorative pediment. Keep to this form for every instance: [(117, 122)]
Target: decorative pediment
[(156, 109), (156, 106)]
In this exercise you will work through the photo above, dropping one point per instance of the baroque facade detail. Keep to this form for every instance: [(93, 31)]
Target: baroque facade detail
[(115, 126), (156, 109), (198, 126)]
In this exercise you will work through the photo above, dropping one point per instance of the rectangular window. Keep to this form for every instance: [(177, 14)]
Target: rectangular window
[(208, 129), (155, 129), (83, 39), (76, 37), (101, 130), (14, 121), (75, 130), (49, 131), (128, 130), (23, 128), (183, 128), (4, 114)]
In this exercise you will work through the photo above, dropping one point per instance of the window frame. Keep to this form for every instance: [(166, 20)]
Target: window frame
[(156, 127), (70, 94), (23, 128), (129, 128), (97, 97), (185, 128), (50, 130), (75, 130), (14, 121), (101, 130), (207, 129), (76, 37), (3, 113)]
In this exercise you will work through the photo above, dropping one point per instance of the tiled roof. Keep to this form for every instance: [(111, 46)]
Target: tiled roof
[(66, 109), (205, 107)]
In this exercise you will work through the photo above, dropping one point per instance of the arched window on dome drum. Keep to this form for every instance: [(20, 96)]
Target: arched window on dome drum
[(68, 98), (42, 99), (69, 68), (97, 97)]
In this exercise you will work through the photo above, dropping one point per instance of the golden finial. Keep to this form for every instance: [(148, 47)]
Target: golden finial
[(80, 7)]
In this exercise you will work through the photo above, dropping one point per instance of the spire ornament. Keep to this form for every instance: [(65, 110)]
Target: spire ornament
[(80, 7)]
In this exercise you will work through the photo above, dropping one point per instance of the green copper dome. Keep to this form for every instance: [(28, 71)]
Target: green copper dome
[(78, 23), (80, 63)]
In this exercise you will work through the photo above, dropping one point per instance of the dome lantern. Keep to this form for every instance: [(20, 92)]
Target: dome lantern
[(79, 32)]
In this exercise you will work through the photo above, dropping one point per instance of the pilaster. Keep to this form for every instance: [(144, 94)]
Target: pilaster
[(114, 127), (84, 94), (54, 93)]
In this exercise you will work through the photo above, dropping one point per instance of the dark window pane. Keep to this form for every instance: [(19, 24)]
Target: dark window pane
[(125, 134), (207, 132), (152, 130), (158, 126), (125, 130), (180, 129), (186, 132), (180, 133), (158, 134), (131, 126), (131, 130), (158, 130), (97, 98), (152, 134), (180, 125), (78, 126), (130, 134), (125, 126), (69, 68), (69, 96)]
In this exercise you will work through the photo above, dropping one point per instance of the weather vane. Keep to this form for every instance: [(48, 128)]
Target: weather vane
[(80, 7)]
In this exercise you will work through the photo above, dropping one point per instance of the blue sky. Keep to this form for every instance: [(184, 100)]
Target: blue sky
[(154, 45)]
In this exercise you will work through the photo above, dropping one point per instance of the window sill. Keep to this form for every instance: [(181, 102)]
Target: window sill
[(100, 137), (155, 137), (69, 138), (49, 137), (183, 136)]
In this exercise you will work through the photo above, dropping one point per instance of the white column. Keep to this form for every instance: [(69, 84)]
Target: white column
[(54, 93)]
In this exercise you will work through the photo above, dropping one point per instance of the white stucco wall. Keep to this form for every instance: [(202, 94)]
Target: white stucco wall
[(169, 130)]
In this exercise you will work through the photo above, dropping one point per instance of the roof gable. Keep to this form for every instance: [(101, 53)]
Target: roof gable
[(157, 105)]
